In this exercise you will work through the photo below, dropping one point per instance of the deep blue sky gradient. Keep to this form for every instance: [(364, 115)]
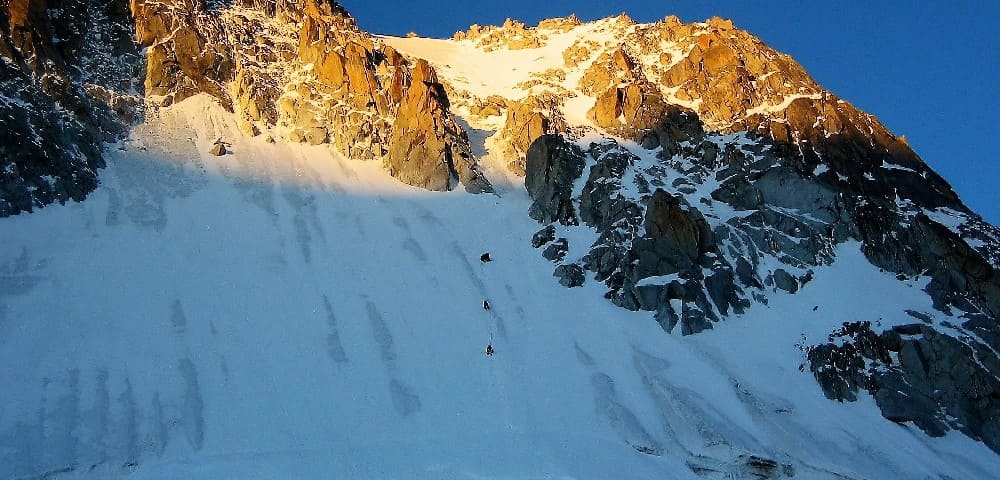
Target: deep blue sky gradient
[(927, 70)]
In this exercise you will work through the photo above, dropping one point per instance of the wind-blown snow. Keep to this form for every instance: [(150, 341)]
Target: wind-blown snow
[(499, 72), (504, 72), (281, 312)]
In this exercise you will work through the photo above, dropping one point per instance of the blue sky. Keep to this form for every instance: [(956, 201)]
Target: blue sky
[(928, 70)]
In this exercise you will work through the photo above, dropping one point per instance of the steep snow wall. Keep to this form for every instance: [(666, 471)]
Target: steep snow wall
[(282, 312)]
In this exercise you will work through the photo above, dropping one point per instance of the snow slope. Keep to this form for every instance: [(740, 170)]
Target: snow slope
[(501, 71), (280, 312)]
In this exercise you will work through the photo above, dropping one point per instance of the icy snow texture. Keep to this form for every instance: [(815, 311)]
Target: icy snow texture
[(280, 312)]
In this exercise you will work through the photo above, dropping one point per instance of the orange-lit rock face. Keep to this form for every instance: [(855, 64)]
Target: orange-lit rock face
[(307, 71), (729, 78)]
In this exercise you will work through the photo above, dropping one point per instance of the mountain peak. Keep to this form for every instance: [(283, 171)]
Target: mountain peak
[(685, 148), (688, 232)]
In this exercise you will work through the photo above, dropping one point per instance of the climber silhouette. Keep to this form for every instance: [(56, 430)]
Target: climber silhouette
[(486, 305)]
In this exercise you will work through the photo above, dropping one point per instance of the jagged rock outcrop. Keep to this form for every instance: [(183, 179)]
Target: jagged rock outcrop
[(916, 374), (691, 224), (556, 250), (543, 236), (553, 165), (515, 35), (73, 76), (68, 72), (678, 236), (570, 275), (527, 120), (609, 69), (745, 174), (313, 76), (428, 149), (654, 236)]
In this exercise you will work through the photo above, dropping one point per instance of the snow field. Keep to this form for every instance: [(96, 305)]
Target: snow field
[(281, 312)]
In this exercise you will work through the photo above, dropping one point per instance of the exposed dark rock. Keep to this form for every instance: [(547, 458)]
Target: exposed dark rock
[(761, 467), (649, 141), (599, 206), (68, 75), (961, 277), (916, 374), (667, 316), (218, 149), (553, 164), (722, 289), (661, 247), (543, 236), (676, 236), (556, 251), (570, 275), (920, 316), (785, 281)]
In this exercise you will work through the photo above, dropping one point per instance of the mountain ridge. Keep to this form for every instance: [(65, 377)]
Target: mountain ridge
[(687, 173)]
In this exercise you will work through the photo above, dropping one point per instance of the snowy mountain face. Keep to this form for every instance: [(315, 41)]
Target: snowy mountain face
[(702, 264)]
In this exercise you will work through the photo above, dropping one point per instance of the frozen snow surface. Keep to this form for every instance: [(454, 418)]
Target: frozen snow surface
[(281, 312)]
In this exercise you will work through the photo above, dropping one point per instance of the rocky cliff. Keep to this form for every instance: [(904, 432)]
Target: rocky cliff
[(624, 77), (304, 72), (74, 77), (711, 173), (701, 235), (714, 173), (68, 81)]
